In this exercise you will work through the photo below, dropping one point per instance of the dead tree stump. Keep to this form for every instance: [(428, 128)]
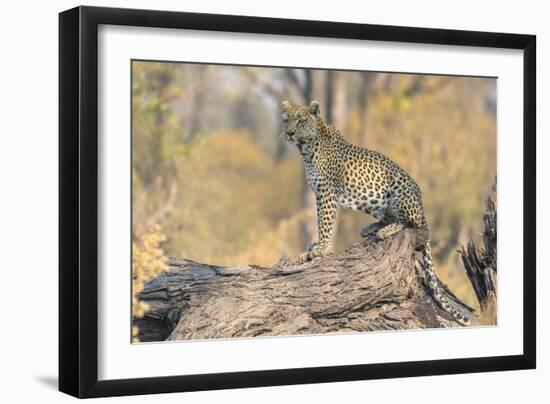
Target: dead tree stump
[(481, 263), (374, 285)]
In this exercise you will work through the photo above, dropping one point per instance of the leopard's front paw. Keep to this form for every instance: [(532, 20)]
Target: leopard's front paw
[(310, 246), (291, 261), (317, 251)]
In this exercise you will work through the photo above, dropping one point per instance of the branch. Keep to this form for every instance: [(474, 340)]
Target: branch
[(374, 285), (418, 85), (265, 85)]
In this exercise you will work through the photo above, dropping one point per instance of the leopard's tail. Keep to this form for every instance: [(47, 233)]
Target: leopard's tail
[(439, 297)]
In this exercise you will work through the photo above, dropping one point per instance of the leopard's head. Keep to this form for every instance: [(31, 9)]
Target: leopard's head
[(300, 123)]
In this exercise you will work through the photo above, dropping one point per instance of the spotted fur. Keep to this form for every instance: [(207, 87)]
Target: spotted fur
[(346, 175)]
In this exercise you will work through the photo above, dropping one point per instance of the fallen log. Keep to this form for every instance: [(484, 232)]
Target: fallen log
[(374, 285)]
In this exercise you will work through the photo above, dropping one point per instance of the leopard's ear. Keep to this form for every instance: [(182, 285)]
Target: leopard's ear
[(314, 108), (286, 105)]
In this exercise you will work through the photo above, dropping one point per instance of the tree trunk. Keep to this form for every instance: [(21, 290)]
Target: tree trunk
[(329, 95), (367, 79), (374, 285)]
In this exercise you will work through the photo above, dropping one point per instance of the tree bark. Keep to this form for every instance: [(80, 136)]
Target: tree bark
[(481, 263), (374, 285)]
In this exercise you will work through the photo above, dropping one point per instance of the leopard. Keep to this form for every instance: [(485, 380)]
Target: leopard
[(342, 174)]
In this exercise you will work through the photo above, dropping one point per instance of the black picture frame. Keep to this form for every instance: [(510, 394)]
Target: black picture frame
[(78, 201)]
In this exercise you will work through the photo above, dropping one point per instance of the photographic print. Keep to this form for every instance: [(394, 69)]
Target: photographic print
[(281, 201), (262, 214)]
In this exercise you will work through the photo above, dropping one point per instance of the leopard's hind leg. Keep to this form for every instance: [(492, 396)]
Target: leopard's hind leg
[(372, 228), (389, 230)]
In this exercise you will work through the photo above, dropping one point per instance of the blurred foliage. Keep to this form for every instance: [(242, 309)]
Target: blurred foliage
[(148, 260), (228, 197), (210, 167)]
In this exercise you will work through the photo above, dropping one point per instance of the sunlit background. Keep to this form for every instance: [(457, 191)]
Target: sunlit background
[(214, 182)]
